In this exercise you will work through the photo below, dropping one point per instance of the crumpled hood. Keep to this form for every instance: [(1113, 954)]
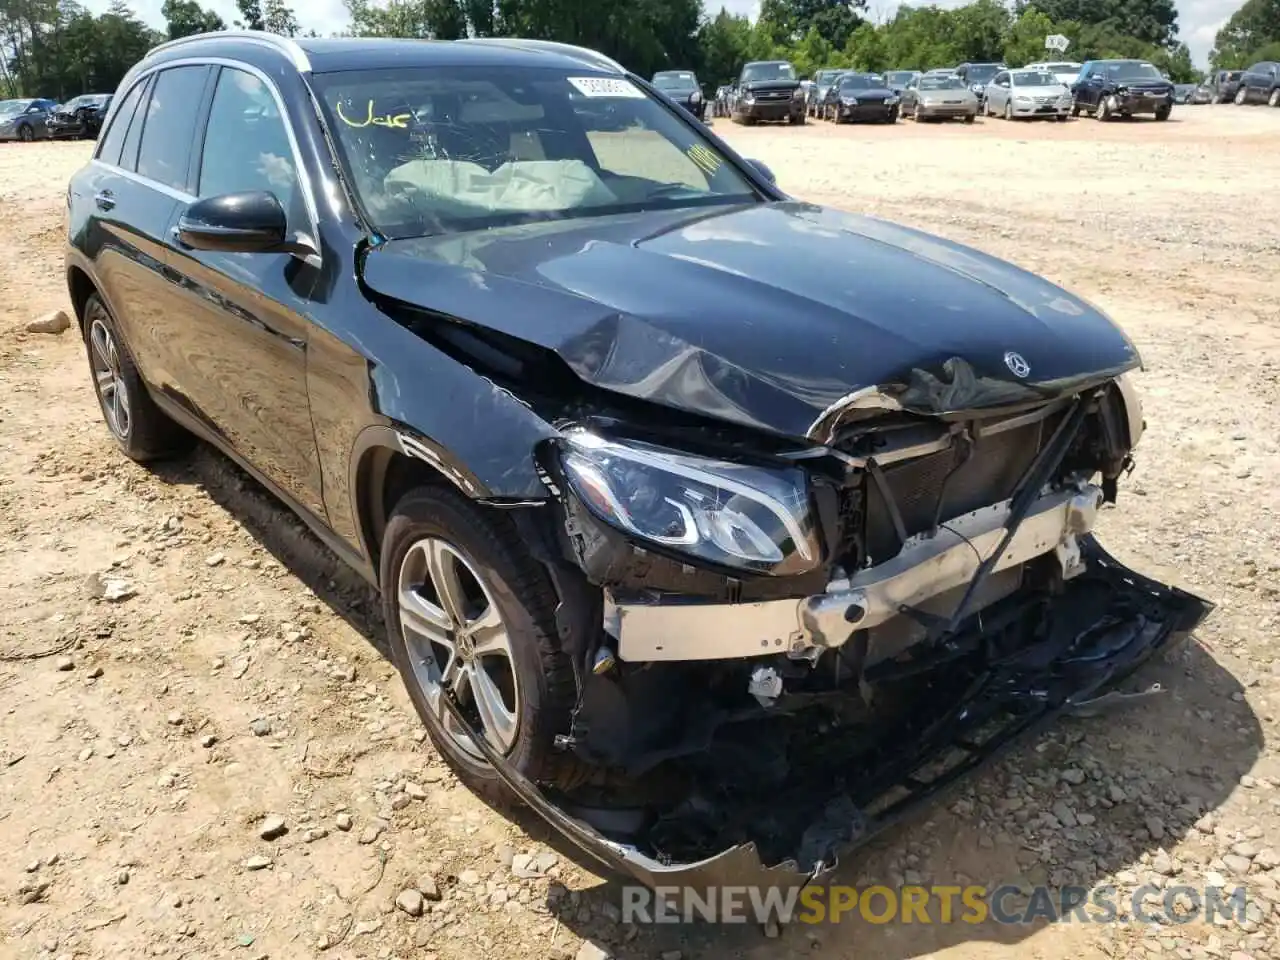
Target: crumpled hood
[(766, 315)]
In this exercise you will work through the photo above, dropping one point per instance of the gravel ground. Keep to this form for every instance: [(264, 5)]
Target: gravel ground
[(203, 753)]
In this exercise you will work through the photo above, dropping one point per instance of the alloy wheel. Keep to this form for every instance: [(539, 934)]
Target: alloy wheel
[(456, 638), (108, 379), (1274, 99), (26, 134)]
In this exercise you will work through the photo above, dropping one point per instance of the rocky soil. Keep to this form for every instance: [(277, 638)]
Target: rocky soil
[(203, 752)]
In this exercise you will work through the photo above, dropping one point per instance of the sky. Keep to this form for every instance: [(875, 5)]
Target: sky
[(1198, 20)]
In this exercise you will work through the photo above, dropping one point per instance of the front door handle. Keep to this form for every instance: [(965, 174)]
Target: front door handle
[(105, 200)]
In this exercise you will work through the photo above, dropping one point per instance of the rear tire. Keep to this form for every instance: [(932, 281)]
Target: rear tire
[(137, 425), (508, 593)]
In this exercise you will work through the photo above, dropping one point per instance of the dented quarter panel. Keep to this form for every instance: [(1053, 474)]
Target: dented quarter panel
[(673, 307)]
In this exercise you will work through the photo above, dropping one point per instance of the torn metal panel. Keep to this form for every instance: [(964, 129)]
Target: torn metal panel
[(1011, 681)]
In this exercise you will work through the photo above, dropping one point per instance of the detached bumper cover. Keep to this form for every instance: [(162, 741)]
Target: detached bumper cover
[(1108, 621)]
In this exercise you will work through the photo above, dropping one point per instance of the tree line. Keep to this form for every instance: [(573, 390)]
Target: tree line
[(56, 48)]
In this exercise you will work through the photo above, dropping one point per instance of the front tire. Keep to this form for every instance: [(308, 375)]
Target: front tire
[(1241, 96), (1104, 109), (137, 425), (1274, 99), (467, 606), (25, 133)]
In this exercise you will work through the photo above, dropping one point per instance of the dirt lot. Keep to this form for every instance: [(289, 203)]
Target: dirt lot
[(144, 738)]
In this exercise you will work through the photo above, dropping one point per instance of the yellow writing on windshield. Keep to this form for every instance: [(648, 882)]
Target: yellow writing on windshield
[(708, 160), (400, 121)]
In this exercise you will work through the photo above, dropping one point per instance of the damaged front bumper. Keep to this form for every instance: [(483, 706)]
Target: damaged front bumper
[(925, 568), (1007, 673)]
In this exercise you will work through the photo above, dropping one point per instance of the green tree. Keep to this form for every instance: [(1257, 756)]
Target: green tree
[(723, 41), (186, 17), (277, 17), (251, 11), (1244, 36)]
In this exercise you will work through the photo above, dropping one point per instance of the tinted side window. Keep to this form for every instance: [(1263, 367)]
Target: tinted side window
[(113, 138), (246, 144), (170, 125), (129, 153)]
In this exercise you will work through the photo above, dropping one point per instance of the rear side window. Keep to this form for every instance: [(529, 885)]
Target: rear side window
[(129, 154), (113, 138), (170, 125), (246, 143)]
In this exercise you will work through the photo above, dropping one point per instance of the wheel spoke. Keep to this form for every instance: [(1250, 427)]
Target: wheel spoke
[(498, 722), (442, 567), (424, 618), (122, 404), (106, 379), (489, 635)]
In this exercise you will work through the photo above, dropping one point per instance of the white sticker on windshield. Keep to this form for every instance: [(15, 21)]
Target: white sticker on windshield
[(606, 87)]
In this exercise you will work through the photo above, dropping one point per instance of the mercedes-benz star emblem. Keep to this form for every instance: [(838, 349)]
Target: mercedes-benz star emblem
[(1017, 364)]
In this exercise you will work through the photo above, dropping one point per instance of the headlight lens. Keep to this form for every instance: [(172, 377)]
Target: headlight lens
[(696, 97), (725, 513), (1022, 99)]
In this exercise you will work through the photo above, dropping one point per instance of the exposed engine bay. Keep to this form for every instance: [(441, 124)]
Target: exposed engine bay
[(943, 595)]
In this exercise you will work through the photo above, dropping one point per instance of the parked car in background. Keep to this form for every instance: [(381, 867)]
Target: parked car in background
[(1182, 92), (860, 96), (1066, 71), (1027, 94), (768, 90), (1202, 94), (817, 93), (976, 76), (939, 96), (897, 80), (1225, 84), (682, 87), (25, 120), (1126, 88), (1260, 84), (720, 529), (79, 118)]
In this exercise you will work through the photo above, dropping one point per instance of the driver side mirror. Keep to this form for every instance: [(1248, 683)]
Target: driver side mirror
[(763, 170), (250, 222)]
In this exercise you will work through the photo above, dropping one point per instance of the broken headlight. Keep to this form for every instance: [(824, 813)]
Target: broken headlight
[(724, 513)]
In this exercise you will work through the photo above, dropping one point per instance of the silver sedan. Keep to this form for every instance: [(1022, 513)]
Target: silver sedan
[(933, 97), (1027, 94)]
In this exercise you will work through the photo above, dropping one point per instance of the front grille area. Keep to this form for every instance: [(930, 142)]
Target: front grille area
[(990, 475)]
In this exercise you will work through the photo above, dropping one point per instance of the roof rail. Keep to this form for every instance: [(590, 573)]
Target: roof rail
[(286, 45), (591, 58)]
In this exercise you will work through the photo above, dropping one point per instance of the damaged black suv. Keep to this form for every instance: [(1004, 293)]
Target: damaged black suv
[(716, 526)]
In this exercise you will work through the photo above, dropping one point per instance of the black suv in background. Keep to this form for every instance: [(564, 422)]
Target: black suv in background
[(1125, 88), (682, 87), (80, 117), (681, 496), (768, 90), (1260, 84)]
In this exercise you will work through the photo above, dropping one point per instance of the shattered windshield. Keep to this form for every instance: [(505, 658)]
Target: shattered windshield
[(434, 150)]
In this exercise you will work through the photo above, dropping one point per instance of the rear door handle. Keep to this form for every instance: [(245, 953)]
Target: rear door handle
[(105, 200)]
